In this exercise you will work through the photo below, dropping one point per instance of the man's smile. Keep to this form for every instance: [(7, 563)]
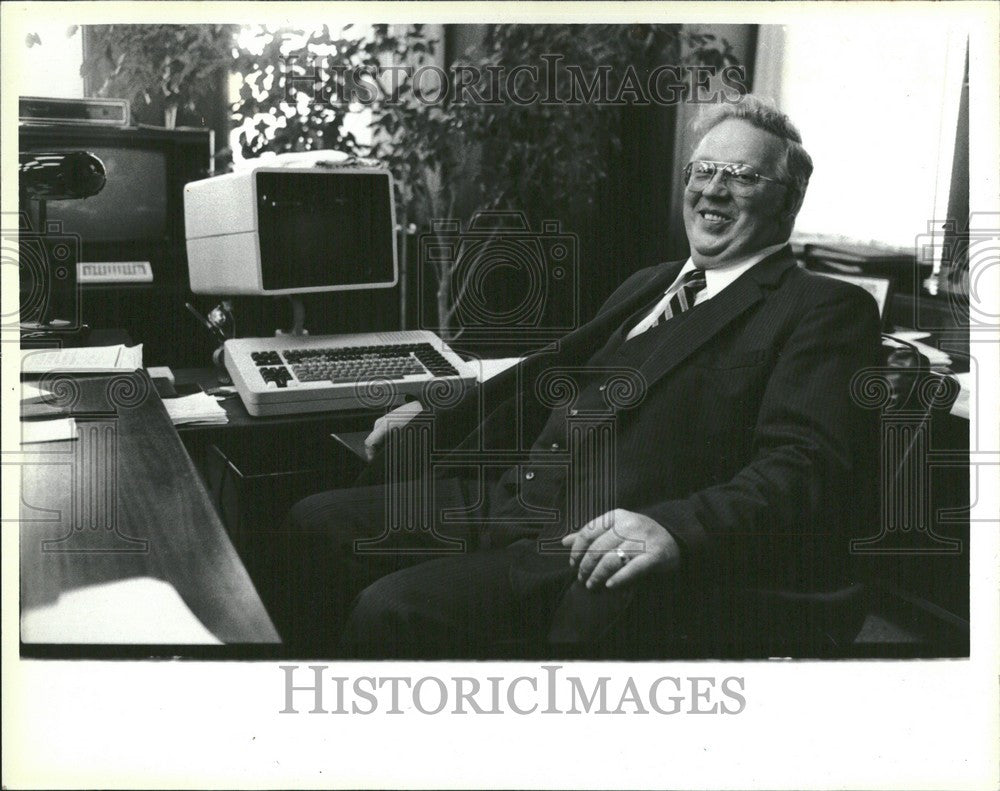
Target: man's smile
[(715, 218)]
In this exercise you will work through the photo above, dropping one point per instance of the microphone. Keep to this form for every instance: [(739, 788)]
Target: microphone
[(66, 175)]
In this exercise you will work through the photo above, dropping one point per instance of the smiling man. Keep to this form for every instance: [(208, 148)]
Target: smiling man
[(732, 208), (718, 481)]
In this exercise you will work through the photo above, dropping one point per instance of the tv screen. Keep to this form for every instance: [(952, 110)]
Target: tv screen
[(138, 216), (131, 207)]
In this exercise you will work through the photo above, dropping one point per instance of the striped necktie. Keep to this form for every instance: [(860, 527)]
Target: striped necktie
[(691, 284)]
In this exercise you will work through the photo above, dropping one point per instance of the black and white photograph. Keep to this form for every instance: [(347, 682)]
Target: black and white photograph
[(379, 366)]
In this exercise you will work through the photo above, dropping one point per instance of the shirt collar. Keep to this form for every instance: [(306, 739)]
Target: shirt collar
[(719, 277)]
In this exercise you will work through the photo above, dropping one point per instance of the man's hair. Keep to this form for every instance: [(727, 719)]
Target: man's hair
[(797, 166)]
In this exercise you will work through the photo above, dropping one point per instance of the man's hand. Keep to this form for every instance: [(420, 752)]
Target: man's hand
[(620, 546), (399, 416)]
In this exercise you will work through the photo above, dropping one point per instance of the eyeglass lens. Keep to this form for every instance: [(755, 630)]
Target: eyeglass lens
[(739, 178)]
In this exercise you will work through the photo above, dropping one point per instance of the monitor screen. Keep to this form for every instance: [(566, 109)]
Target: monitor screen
[(321, 232), (131, 207)]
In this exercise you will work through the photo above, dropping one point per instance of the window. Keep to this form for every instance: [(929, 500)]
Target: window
[(49, 61), (877, 107)]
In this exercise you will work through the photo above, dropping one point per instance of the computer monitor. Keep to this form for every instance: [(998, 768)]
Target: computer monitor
[(289, 231)]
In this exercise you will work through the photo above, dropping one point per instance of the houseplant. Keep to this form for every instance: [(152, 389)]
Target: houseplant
[(446, 157), (167, 68)]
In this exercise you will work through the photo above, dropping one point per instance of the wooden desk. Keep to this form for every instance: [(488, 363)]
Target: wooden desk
[(124, 501)]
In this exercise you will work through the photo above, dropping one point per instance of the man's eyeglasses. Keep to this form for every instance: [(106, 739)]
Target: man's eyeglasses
[(740, 179)]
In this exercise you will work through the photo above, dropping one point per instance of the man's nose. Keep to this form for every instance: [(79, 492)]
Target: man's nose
[(717, 185)]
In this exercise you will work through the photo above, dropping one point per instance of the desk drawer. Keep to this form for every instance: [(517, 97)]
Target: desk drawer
[(254, 483)]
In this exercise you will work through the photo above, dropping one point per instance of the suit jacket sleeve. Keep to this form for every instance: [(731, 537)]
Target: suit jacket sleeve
[(812, 447)]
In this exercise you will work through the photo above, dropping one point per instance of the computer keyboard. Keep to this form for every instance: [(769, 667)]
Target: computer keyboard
[(292, 374)]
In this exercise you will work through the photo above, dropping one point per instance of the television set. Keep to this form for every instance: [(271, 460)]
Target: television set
[(139, 214), (135, 223)]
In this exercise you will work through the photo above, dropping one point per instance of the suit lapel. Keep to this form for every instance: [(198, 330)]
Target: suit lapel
[(611, 318), (682, 338), (678, 341), (586, 339)]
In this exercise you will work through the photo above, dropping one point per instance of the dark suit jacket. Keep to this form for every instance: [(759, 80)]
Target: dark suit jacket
[(746, 445)]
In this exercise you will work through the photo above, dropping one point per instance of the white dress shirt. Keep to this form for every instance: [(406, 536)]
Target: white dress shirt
[(716, 280)]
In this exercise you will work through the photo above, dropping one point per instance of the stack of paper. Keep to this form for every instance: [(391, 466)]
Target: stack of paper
[(47, 423), (198, 408), (87, 358), (32, 393), (36, 431)]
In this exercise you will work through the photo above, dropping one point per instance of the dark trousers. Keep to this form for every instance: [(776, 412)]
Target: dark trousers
[(345, 585), (341, 584)]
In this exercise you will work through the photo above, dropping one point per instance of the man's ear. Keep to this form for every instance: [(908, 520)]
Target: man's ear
[(791, 207), (786, 216)]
